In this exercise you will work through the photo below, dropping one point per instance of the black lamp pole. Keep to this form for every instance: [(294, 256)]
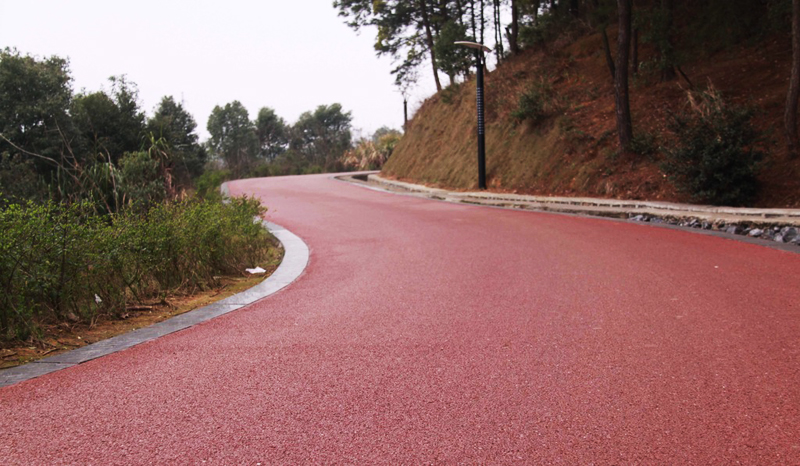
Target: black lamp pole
[(479, 50), (481, 127)]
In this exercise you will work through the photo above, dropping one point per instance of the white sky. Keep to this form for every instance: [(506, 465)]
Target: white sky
[(291, 55)]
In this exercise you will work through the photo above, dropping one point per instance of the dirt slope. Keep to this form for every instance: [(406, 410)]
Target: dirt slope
[(573, 151)]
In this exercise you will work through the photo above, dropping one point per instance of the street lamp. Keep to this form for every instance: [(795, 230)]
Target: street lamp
[(479, 49)]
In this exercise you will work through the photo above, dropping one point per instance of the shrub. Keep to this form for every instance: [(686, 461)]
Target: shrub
[(716, 158), (450, 93), (209, 182), (644, 143), (536, 103), (62, 262), (549, 26), (141, 180)]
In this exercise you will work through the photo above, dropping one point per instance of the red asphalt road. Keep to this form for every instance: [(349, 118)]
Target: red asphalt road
[(427, 332)]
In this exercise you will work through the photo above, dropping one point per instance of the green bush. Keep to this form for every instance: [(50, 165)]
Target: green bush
[(62, 262), (716, 158), (209, 182), (546, 29), (645, 144), (141, 180), (536, 103)]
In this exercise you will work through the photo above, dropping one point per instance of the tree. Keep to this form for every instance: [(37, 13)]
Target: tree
[(498, 30), (426, 23), (272, 132), (176, 127), (109, 125), (790, 114), (659, 34), (322, 136), (385, 131), (406, 29), (131, 117), (233, 137), (35, 97), (622, 101), (601, 16), (453, 59), (513, 30)]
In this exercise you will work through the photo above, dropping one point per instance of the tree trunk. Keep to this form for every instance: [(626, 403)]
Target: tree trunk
[(498, 32), (607, 50), (429, 38), (790, 116), (513, 34), (635, 52), (668, 69), (460, 10), (483, 22), (443, 11), (624, 125), (405, 114), (474, 24)]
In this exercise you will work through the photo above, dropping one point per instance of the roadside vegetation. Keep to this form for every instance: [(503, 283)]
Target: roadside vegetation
[(61, 262)]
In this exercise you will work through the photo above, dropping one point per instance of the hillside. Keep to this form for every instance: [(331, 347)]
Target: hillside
[(573, 151)]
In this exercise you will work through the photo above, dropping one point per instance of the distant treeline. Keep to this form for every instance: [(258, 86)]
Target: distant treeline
[(101, 146)]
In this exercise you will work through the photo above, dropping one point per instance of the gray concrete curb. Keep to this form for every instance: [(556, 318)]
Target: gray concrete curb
[(607, 206), (696, 219), (295, 259)]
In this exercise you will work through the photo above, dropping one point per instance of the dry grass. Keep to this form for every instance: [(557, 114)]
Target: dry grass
[(573, 152)]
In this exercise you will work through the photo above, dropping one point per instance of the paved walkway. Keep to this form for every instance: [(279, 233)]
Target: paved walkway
[(429, 332)]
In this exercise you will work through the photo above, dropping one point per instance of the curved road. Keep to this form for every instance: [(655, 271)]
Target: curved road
[(427, 332)]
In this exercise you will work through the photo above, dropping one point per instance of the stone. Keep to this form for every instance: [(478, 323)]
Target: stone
[(732, 229), (755, 232), (789, 234)]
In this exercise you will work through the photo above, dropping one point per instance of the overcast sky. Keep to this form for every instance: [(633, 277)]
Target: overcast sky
[(291, 55)]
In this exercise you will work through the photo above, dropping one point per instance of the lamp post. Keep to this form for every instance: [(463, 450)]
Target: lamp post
[(479, 49)]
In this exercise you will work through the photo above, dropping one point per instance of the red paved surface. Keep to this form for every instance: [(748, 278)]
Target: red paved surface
[(426, 332)]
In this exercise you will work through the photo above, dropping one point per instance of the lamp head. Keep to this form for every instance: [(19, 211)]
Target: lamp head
[(473, 45)]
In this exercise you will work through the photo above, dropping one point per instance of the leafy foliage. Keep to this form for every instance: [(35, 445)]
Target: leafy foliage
[(536, 103), (62, 262), (454, 59), (233, 136), (545, 29), (108, 125), (209, 182), (716, 158), (176, 127), (272, 132), (644, 143), (371, 154), (142, 181), (34, 109), (322, 136)]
